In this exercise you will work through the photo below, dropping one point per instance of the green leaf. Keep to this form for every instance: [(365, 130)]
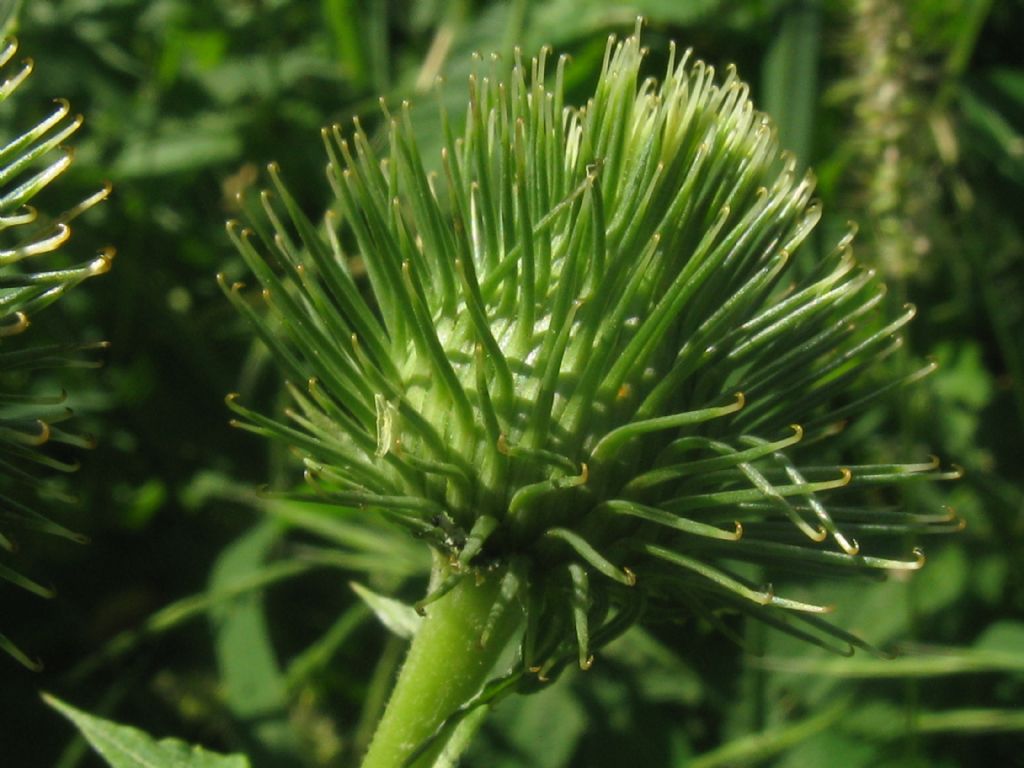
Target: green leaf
[(829, 747), (791, 76), (525, 724), (883, 720), (760, 746), (661, 674), (398, 617), (180, 147), (1003, 637), (9, 12), (994, 135), (125, 747), (556, 23), (255, 687)]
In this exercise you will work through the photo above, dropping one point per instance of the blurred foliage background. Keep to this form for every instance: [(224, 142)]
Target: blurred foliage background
[(204, 611)]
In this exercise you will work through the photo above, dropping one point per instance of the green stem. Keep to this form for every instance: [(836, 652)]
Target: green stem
[(444, 669)]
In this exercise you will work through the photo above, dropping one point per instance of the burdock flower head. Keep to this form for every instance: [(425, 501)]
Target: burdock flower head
[(30, 162), (577, 360)]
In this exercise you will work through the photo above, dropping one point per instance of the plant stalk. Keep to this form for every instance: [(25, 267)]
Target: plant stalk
[(444, 669)]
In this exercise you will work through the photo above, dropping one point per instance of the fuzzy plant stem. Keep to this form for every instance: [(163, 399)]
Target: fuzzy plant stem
[(446, 667)]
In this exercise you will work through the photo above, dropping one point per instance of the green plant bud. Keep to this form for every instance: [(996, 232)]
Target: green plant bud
[(579, 356)]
